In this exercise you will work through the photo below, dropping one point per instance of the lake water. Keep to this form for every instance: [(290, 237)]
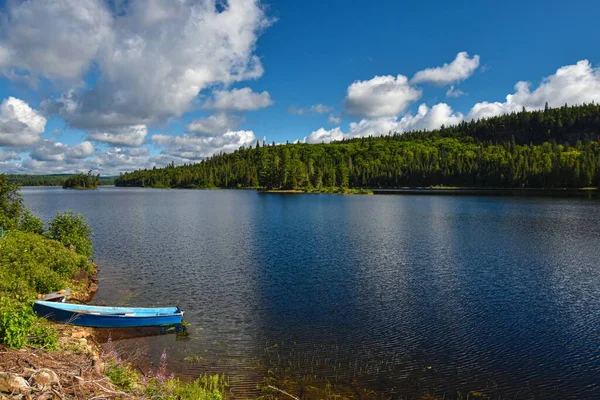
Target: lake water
[(402, 295)]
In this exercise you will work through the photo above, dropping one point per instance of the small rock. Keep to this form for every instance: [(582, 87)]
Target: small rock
[(13, 383), (79, 334), (45, 377), (93, 287), (83, 341)]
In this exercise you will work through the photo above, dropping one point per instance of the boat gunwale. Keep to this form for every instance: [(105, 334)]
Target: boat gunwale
[(113, 312)]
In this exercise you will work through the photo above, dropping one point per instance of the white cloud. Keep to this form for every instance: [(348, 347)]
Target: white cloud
[(334, 120), (323, 135), (458, 70), (155, 60), (426, 119), (19, 124), (453, 92), (52, 38), (116, 160), (571, 84), (109, 163), (214, 124), (382, 96), (197, 148), (125, 136), (239, 100), (8, 156), (50, 150), (316, 108)]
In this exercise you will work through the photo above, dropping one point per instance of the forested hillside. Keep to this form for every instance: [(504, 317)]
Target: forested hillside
[(50, 180), (550, 148)]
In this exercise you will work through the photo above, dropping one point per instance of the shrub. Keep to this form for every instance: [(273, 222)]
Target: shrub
[(42, 336), (31, 264), (121, 374), (16, 320), (30, 223), (71, 230)]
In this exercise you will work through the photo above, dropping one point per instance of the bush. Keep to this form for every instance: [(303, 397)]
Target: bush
[(16, 320), (71, 230), (121, 375), (31, 264), (30, 223), (42, 336)]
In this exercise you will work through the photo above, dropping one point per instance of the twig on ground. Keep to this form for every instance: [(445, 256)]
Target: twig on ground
[(283, 391)]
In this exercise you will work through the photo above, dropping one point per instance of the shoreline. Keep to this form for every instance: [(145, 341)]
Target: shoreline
[(469, 191), (446, 191)]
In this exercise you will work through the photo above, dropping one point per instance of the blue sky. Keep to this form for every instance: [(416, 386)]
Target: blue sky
[(114, 86)]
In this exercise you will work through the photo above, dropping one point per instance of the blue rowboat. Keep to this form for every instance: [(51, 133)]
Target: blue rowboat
[(107, 317)]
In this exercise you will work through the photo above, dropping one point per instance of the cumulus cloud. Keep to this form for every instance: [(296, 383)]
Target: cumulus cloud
[(214, 124), (109, 163), (52, 38), (426, 118), (571, 84), (155, 59), (316, 108), (239, 100), (197, 148), (50, 150), (19, 123), (382, 96), (125, 136), (117, 159), (323, 135), (458, 70), (8, 156)]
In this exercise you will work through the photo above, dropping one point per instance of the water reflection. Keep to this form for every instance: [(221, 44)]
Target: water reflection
[(402, 295)]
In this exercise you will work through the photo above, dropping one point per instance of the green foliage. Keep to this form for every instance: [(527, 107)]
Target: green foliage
[(31, 264), (42, 336), (11, 204), (16, 320), (82, 181), (71, 230), (206, 387), (540, 149), (30, 223), (121, 374)]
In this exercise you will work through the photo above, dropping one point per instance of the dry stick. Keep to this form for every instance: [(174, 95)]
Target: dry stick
[(56, 392), (283, 391), (112, 391)]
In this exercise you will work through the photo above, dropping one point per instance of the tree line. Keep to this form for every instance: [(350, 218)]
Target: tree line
[(550, 148), (49, 180)]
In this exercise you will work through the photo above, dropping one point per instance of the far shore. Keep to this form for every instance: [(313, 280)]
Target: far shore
[(436, 190)]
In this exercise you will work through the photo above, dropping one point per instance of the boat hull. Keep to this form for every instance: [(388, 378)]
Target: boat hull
[(97, 319)]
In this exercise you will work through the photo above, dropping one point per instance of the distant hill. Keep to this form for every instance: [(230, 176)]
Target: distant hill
[(51, 180), (551, 148)]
